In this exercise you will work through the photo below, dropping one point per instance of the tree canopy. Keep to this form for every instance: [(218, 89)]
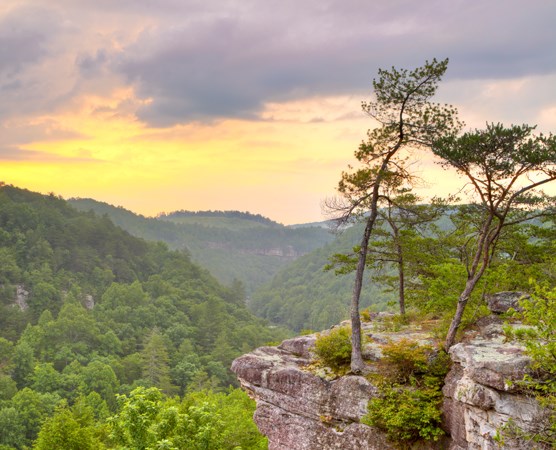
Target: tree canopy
[(406, 119), (89, 313), (506, 167)]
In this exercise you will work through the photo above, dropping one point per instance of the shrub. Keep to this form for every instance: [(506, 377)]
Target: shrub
[(539, 312), (406, 414), (404, 359), (366, 315), (334, 348), (410, 396)]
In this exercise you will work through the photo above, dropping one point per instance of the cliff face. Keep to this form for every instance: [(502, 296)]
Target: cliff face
[(301, 410), (298, 410), (479, 396)]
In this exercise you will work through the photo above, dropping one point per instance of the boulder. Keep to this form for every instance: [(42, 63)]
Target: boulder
[(502, 301), (21, 297), (482, 393)]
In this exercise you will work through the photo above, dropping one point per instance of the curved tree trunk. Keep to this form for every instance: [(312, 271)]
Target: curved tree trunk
[(481, 260), (462, 302), (456, 321), (357, 363)]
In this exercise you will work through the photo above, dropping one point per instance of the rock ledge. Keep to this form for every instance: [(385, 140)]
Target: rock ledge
[(299, 410)]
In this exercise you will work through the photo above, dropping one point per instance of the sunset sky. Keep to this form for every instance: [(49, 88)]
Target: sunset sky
[(160, 105)]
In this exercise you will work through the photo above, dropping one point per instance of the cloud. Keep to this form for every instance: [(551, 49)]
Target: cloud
[(18, 133), (14, 153), (192, 60), (517, 101), (231, 62), (10, 153), (29, 72), (24, 34), (92, 65)]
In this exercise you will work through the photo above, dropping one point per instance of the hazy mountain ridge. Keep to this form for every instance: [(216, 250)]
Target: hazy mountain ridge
[(230, 244), (202, 216), (302, 295)]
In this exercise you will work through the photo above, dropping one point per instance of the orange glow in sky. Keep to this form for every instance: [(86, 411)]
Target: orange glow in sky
[(239, 105), (282, 167)]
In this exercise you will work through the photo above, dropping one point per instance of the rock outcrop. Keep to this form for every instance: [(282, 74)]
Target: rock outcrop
[(302, 409), (89, 302), (502, 301), (298, 410), (21, 297), (481, 394)]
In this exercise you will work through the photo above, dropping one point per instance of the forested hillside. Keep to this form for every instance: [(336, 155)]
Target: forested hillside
[(89, 312), (232, 245), (305, 296)]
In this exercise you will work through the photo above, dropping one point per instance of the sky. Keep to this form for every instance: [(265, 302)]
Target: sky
[(163, 105)]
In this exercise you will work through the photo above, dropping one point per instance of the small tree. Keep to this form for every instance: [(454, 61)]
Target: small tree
[(403, 221), (505, 168), (539, 338), (64, 430), (156, 362), (407, 119), (401, 225)]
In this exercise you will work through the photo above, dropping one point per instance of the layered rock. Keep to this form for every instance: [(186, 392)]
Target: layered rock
[(300, 409), (481, 394)]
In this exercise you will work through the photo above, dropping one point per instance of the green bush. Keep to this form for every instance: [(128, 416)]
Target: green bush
[(392, 323), (366, 315), (539, 312), (407, 414), (334, 348), (410, 392), (404, 359)]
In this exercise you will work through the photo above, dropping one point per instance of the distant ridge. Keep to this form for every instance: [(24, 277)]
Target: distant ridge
[(230, 214), (232, 245)]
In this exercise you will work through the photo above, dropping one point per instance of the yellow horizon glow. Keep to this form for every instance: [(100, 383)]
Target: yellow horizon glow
[(283, 166)]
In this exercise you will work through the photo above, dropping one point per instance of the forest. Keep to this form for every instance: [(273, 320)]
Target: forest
[(233, 246), (110, 341), (100, 328), (301, 294), (305, 296), (295, 292)]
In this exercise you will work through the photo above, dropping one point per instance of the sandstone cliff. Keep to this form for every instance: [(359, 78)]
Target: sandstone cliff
[(299, 409)]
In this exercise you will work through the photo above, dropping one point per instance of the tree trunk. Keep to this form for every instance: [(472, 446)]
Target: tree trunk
[(401, 282), (357, 363), (462, 302), (481, 261)]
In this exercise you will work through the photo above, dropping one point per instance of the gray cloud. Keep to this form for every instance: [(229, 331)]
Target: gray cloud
[(91, 65), (229, 65), (11, 153), (27, 49), (24, 35), (20, 133), (198, 60)]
